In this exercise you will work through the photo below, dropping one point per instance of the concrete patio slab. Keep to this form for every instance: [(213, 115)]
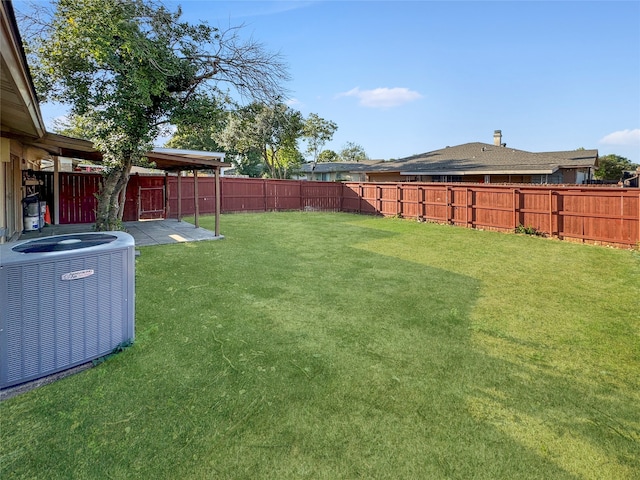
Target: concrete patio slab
[(145, 232)]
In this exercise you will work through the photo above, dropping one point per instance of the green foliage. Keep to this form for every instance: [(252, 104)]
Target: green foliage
[(290, 159), (352, 152), (328, 156), (71, 127), (317, 132), (195, 137), (271, 130), (530, 230), (610, 167), (197, 125), (113, 63), (249, 164)]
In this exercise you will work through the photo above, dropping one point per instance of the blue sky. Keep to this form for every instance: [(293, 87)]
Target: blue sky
[(401, 78)]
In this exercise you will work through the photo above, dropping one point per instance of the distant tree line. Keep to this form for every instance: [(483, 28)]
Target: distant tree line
[(264, 140)]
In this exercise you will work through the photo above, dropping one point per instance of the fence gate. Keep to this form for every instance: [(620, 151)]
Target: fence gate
[(151, 202), (145, 199)]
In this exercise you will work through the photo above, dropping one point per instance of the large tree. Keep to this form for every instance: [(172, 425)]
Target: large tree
[(353, 152), (272, 130), (328, 156), (127, 68), (610, 167), (197, 133), (249, 163), (317, 132)]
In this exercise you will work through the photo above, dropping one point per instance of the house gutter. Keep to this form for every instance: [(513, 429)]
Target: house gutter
[(548, 171)]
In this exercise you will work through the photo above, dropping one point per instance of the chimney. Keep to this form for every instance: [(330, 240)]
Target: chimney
[(497, 137)]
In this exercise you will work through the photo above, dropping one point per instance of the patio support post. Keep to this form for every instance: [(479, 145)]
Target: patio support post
[(179, 195), (217, 227), (56, 190), (195, 199), (166, 195)]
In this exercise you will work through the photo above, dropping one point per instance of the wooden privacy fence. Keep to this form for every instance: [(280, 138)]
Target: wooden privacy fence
[(588, 214), (77, 196), (252, 195), (601, 215)]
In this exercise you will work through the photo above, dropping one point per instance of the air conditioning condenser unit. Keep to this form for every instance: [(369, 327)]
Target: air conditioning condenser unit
[(64, 300)]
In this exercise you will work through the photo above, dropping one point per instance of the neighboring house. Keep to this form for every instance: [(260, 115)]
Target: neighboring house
[(485, 163), (632, 179), (337, 171)]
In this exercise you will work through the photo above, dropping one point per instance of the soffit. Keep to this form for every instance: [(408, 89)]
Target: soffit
[(19, 109)]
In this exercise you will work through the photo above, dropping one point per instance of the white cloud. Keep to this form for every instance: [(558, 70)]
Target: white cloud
[(382, 97), (622, 137)]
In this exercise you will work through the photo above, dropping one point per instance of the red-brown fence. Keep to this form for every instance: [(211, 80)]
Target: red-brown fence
[(601, 215), (252, 195), (590, 214), (77, 197)]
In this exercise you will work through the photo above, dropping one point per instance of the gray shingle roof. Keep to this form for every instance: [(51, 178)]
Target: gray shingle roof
[(327, 167), (481, 158)]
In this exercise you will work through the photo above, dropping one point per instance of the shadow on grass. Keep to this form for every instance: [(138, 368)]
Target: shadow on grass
[(286, 352)]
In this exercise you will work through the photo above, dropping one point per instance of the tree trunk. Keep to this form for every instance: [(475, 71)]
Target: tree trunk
[(123, 200), (108, 212), (104, 200), (268, 162), (116, 213)]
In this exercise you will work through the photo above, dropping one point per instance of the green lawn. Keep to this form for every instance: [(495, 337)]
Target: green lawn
[(330, 346)]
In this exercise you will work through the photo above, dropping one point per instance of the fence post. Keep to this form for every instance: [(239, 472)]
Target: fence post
[(468, 206), (558, 205), (166, 195), (179, 195), (621, 223), (449, 203), (516, 208), (264, 194), (551, 210)]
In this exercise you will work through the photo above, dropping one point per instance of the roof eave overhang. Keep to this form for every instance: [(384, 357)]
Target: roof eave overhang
[(190, 153), (527, 171), (68, 147), (18, 71), (175, 162), (164, 159)]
